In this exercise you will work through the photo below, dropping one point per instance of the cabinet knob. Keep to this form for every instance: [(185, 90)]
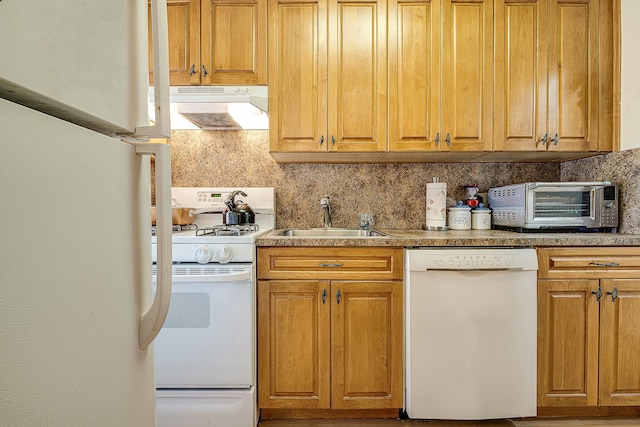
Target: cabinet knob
[(338, 296), (437, 140), (555, 139), (321, 139), (324, 295), (192, 70), (598, 293), (614, 294), (204, 71), (448, 140)]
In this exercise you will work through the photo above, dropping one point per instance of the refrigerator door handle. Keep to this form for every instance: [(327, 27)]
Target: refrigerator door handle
[(152, 321), (160, 41)]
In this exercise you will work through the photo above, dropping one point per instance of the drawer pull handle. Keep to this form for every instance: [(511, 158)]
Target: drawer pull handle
[(331, 265), (338, 295), (324, 295), (598, 293), (614, 294), (604, 264)]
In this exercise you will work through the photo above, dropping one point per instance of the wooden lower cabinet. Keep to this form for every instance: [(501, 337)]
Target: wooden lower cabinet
[(589, 327), (330, 343)]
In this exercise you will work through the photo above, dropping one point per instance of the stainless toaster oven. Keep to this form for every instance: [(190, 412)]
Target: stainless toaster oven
[(568, 206)]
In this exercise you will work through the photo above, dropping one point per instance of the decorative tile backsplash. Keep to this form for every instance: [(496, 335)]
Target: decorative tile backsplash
[(395, 193)]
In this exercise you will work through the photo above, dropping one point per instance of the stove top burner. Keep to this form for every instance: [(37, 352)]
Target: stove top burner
[(175, 228), (228, 230)]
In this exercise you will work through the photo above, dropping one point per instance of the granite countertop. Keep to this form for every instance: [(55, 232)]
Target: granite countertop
[(405, 238)]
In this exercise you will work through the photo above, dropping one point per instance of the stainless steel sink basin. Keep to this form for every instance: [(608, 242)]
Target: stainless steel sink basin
[(330, 232)]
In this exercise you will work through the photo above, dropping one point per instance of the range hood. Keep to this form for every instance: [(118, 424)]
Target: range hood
[(217, 107)]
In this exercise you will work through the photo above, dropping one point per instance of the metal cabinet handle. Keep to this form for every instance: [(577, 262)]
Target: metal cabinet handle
[(324, 295), (598, 293), (333, 140), (555, 139), (331, 264), (338, 296), (192, 70), (321, 139), (204, 71), (614, 294), (604, 264), (544, 139), (448, 139), (437, 140)]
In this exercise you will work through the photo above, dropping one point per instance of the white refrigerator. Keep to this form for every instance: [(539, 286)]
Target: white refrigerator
[(77, 313)]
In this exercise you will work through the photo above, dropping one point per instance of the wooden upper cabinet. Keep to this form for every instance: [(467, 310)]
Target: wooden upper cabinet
[(233, 42), (357, 75), (216, 42), (297, 75), (414, 74), (467, 75), (327, 76), (440, 99), (554, 74), (183, 17), (520, 111), (573, 75)]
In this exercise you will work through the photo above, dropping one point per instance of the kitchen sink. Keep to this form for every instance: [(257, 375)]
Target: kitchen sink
[(330, 232)]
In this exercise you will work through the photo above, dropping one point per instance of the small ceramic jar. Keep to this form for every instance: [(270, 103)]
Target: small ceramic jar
[(481, 218), (460, 217)]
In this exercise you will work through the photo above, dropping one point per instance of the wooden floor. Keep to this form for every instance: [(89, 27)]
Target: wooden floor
[(552, 422)]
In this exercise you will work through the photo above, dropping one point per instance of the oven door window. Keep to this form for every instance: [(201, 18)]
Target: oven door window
[(189, 310), (566, 204)]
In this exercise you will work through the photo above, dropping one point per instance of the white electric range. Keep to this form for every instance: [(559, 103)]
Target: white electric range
[(205, 355)]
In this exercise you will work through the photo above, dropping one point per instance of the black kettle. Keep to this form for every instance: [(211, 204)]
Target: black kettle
[(237, 212)]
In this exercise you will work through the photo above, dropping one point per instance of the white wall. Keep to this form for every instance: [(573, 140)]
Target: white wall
[(630, 86)]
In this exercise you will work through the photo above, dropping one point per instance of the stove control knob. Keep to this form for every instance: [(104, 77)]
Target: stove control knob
[(203, 254), (224, 254)]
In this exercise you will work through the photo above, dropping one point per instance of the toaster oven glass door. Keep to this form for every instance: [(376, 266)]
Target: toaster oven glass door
[(561, 204)]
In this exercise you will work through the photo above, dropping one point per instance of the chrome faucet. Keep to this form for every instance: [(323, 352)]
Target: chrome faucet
[(325, 204)]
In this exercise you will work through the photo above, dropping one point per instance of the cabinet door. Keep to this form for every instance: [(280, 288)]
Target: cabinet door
[(234, 42), (183, 18), (520, 109), (414, 74), (298, 75), (357, 75), (293, 344), (620, 343), (567, 343), (467, 75), (573, 75), (366, 323)]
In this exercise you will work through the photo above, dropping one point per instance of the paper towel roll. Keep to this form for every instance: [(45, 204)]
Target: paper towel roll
[(436, 206)]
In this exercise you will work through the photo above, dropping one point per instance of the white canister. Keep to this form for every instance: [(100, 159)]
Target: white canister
[(460, 217), (481, 218)]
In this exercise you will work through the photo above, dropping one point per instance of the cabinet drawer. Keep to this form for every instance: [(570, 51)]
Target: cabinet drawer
[(330, 263), (589, 262)]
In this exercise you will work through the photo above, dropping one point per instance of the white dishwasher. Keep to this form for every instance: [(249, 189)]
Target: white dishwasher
[(470, 333)]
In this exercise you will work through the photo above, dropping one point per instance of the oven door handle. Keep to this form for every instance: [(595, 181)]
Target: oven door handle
[(241, 276), (151, 322)]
